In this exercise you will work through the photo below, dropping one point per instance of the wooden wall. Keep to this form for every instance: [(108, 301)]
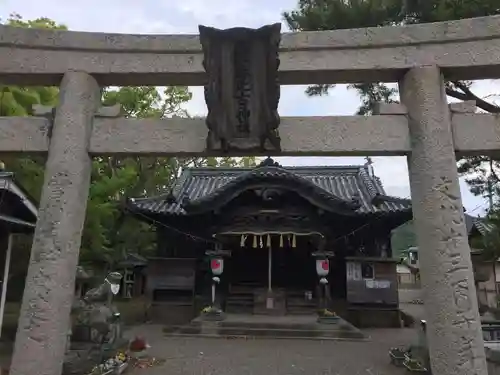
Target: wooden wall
[(377, 287)]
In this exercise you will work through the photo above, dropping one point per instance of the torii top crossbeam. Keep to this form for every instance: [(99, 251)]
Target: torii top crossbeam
[(465, 49)]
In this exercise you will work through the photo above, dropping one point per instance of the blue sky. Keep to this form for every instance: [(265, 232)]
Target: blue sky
[(173, 17)]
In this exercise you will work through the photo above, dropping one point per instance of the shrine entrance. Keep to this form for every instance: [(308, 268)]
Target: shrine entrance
[(248, 267), (288, 266), (274, 264), (293, 268)]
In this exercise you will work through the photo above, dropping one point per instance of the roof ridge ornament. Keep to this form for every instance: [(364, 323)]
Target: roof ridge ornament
[(171, 198), (269, 162)]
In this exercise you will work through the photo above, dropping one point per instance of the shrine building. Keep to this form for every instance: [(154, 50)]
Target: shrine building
[(270, 225)]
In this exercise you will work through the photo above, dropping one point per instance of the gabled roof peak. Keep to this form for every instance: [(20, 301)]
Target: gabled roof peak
[(270, 175)]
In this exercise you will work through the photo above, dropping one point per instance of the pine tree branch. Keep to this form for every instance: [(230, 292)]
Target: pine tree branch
[(467, 94)]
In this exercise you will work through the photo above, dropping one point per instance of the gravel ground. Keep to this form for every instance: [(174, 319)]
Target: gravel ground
[(206, 356)]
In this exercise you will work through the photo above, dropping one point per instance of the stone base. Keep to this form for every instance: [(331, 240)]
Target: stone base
[(172, 313), (373, 317), (213, 316), (81, 333), (268, 326), (83, 356), (81, 361), (269, 302), (328, 319)]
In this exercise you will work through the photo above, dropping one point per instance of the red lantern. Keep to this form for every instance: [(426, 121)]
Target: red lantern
[(217, 266), (322, 267)]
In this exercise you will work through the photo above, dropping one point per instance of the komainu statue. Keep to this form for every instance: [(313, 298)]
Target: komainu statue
[(97, 332), (99, 314)]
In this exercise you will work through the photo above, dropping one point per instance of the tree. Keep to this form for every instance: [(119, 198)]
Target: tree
[(109, 233), (18, 101), (312, 15)]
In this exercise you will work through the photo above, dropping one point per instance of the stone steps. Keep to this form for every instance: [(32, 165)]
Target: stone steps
[(300, 310), (240, 301), (306, 327), (239, 307), (224, 332), (297, 304)]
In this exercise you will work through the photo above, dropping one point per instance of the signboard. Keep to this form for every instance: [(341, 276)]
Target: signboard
[(353, 271), (378, 284)]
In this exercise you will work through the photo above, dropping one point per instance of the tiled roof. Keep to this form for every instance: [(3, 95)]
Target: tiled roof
[(344, 184), (26, 212), (482, 226), (133, 260)]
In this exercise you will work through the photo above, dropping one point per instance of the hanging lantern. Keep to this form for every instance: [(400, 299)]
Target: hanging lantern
[(322, 267), (217, 266)]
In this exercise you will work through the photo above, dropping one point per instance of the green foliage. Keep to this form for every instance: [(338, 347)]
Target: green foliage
[(312, 15), (109, 233), (402, 238), (18, 101), (372, 93), (38, 23), (490, 241)]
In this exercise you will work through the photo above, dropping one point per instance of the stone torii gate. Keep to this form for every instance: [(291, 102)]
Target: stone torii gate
[(425, 128)]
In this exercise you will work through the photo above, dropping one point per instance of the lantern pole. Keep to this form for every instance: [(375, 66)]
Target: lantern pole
[(269, 269), (213, 291)]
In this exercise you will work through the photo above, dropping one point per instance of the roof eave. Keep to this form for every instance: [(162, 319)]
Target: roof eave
[(7, 182)]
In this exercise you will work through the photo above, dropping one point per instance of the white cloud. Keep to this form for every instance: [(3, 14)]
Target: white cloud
[(167, 16)]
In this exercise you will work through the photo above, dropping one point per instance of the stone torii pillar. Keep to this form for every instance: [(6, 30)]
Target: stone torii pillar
[(454, 328), (45, 313)]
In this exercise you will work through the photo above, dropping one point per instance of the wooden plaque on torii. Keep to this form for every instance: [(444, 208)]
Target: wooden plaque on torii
[(242, 90)]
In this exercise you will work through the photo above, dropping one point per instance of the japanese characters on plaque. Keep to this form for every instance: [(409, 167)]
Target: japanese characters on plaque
[(242, 90)]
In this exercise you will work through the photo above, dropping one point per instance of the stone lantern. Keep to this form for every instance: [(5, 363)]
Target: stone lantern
[(322, 270), (216, 258), (217, 267)]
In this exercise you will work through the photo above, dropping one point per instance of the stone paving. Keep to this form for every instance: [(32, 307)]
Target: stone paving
[(206, 356)]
